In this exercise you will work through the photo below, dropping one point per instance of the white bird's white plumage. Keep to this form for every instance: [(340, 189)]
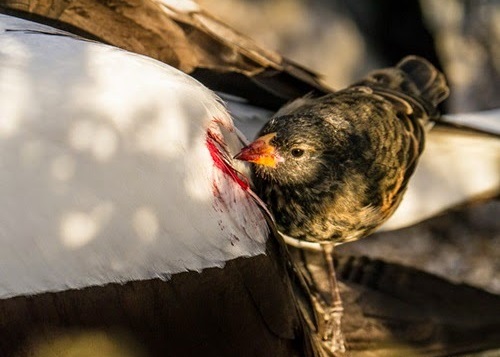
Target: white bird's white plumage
[(113, 167), (487, 120)]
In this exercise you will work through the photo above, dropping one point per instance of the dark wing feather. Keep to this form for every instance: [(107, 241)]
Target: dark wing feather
[(191, 40), (392, 310), (414, 88)]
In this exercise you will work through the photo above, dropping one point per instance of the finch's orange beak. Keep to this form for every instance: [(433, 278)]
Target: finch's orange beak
[(260, 152)]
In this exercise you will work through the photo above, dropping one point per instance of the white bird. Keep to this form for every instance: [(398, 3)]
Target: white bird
[(119, 166), (117, 169)]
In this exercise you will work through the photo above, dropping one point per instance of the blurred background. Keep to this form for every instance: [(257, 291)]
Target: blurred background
[(343, 40)]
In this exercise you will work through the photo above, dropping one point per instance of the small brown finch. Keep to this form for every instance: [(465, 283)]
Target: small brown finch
[(332, 169)]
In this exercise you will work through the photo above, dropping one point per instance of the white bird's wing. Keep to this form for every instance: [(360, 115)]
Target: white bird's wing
[(487, 121), (113, 167)]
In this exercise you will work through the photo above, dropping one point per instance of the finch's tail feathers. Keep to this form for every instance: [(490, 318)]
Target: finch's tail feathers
[(414, 82), (429, 82)]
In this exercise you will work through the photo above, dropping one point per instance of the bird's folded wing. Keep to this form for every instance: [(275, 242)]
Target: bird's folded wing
[(392, 310), (185, 36)]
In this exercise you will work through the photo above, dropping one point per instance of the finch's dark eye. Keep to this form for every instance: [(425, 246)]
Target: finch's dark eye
[(297, 152)]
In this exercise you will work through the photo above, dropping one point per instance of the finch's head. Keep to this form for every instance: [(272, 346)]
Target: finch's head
[(292, 150)]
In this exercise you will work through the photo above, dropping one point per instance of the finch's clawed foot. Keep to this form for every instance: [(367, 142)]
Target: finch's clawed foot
[(333, 337)]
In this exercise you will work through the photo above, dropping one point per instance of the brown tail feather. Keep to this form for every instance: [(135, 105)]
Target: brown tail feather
[(414, 81), (430, 83)]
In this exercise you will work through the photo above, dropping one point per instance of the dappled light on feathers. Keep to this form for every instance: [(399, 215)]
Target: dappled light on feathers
[(109, 167)]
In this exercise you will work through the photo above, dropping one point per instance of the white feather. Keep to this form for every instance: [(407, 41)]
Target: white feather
[(487, 120), (105, 169)]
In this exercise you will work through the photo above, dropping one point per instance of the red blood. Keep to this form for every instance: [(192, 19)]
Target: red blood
[(222, 164)]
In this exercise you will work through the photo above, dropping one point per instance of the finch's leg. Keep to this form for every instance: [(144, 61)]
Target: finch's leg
[(334, 325)]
